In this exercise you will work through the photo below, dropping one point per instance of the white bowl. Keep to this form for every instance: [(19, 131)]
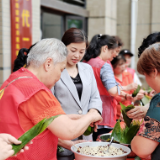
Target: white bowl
[(79, 156)]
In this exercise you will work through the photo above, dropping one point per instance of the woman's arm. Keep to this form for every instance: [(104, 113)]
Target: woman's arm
[(142, 146), (66, 129), (108, 79), (133, 86)]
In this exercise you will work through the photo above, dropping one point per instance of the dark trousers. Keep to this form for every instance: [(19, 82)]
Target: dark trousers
[(99, 132)]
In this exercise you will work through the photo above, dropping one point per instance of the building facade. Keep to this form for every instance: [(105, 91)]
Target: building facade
[(50, 18)]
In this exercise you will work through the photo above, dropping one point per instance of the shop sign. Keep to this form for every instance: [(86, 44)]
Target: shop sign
[(21, 26)]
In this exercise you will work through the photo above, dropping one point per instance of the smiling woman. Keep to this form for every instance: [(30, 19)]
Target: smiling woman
[(77, 89)]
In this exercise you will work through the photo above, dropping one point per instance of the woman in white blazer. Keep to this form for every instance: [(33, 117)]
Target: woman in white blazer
[(77, 89)]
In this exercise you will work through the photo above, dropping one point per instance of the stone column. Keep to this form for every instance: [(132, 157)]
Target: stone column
[(102, 17)]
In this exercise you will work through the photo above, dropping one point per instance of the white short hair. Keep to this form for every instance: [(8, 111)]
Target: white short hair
[(47, 48)]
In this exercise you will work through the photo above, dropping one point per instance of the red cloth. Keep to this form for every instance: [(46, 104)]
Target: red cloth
[(126, 80), (18, 91), (109, 102), (45, 105)]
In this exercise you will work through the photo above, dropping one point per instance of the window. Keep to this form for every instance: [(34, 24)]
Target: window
[(81, 3), (52, 25)]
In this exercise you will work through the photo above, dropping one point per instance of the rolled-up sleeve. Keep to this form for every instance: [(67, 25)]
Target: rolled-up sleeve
[(107, 77)]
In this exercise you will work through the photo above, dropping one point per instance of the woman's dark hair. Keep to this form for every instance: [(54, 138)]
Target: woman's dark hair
[(97, 42), (117, 59), (151, 39), (21, 59), (119, 41), (74, 35)]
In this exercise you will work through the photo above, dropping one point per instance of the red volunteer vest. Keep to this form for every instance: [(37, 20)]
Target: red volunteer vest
[(21, 85), (109, 102), (126, 80), (132, 71)]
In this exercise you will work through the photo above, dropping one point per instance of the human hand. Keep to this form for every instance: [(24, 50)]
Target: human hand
[(132, 86), (129, 97), (137, 113), (95, 125), (121, 117), (96, 118), (5, 145), (152, 93), (139, 96)]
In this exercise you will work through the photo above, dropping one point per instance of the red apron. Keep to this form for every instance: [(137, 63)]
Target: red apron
[(22, 85), (109, 103), (126, 80)]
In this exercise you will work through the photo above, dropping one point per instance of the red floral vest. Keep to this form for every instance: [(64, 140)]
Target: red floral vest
[(18, 88), (109, 103)]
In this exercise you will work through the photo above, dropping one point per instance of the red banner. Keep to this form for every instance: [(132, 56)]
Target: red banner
[(21, 26)]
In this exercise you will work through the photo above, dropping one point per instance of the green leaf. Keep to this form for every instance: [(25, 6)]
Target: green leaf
[(145, 100), (127, 120), (149, 90), (122, 106), (125, 109), (134, 94), (129, 107), (33, 132), (47, 122), (130, 133), (117, 132), (137, 158), (88, 131)]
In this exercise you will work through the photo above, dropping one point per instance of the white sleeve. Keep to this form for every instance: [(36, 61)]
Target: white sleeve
[(136, 79)]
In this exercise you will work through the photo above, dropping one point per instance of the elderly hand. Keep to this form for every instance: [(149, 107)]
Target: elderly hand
[(5, 145), (132, 86), (137, 113), (139, 96), (97, 118)]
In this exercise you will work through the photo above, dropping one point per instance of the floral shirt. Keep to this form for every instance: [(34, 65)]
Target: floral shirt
[(151, 126)]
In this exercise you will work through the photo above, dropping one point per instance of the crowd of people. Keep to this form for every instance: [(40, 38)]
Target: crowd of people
[(84, 84)]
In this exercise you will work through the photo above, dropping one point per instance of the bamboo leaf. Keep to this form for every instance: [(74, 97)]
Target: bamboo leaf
[(129, 107), (88, 131), (132, 131), (134, 94), (125, 117), (127, 120), (47, 122), (33, 132), (146, 99), (117, 132), (122, 106)]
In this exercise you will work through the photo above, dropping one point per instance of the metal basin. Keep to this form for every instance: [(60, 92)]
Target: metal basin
[(79, 156), (104, 138)]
